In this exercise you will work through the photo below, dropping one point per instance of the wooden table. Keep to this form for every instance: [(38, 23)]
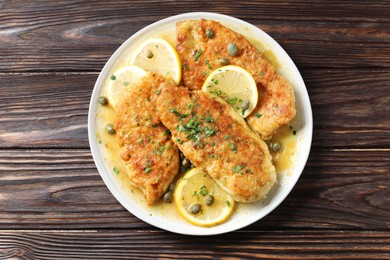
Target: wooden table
[(53, 203)]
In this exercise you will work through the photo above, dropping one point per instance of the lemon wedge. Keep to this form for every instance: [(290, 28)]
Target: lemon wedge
[(235, 85), (123, 78), (201, 201), (158, 55)]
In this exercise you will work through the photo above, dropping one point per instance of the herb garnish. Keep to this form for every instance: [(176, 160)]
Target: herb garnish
[(203, 190), (116, 171), (147, 168), (197, 54), (209, 65), (238, 168)]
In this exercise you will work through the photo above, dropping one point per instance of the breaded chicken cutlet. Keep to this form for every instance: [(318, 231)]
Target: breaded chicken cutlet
[(215, 138), (201, 54), (151, 157)]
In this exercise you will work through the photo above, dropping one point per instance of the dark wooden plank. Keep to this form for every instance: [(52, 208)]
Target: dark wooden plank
[(56, 189), (45, 110), (50, 109), (350, 107), (61, 189), (78, 36), (163, 245), (347, 189)]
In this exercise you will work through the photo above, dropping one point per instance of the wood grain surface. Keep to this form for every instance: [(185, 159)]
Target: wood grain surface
[(131, 244), (53, 203)]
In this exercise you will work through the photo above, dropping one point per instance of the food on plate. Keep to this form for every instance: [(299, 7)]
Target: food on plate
[(158, 55), (151, 157), (200, 127), (234, 85), (216, 139), (200, 54), (123, 78), (201, 201)]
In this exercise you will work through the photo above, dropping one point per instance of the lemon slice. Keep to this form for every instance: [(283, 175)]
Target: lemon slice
[(158, 55), (235, 85), (193, 193), (123, 78)]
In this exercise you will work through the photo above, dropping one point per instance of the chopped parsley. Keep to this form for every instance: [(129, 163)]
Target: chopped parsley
[(209, 65), (113, 77), (209, 119), (258, 115), (203, 190), (238, 168), (147, 168), (197, 54), (174, 110), (167, 132), (185, 67), (195, 194), (116, 171), (232, 100), (199, 143), (158, 150)]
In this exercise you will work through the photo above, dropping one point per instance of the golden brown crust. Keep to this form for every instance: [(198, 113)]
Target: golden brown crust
[(276, 104), (151, 157), (215, 138)]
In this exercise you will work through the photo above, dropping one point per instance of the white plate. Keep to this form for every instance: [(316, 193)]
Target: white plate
[(249, 213)]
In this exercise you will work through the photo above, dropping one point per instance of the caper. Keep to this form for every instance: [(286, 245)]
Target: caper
[(224, 61), (171, 186), (182, 169), (195, 208), (245, 104), (232, 49), (103, 100), (149, 54), (168, 197), (209, 200), (276, 147), (209, 33), (186, 163), (110, 128)]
